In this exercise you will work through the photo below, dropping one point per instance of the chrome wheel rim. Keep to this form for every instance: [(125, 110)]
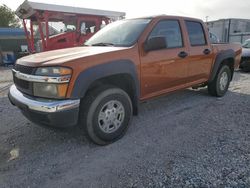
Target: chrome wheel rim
[(223, 81), (111, 116)]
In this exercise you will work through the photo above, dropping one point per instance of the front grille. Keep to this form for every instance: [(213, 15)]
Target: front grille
[(24, 69), (23, 85)]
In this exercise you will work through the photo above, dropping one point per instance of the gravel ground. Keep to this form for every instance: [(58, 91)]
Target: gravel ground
[(186, 139), (5, 74), (5, 80)]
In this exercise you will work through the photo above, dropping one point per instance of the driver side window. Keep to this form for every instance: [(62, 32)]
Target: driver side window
[(170, 30)]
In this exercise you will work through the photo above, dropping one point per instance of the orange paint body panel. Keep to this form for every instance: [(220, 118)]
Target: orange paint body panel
[(159, 71)]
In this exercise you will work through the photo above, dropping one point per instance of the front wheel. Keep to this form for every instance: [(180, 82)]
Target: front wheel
[(219, 86), (105, 114)]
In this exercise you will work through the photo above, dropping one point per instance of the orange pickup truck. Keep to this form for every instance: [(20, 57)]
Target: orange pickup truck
[(101, 84)]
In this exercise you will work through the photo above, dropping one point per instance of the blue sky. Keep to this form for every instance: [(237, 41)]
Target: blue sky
[(214, 9)]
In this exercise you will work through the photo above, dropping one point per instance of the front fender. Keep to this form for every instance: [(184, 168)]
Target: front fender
[(88, 76)]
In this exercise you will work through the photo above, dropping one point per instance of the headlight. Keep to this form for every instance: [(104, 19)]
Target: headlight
[(53, 71), (55, 84)]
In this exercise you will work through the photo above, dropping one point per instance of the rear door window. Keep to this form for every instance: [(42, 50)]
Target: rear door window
[(196, 33)]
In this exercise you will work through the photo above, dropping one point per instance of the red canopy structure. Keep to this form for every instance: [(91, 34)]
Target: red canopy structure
[(79, 24)]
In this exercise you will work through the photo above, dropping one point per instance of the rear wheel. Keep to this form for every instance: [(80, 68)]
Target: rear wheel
[(105, 114), (219, 86)]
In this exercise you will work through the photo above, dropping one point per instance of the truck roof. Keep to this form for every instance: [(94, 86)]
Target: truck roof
[(28, 8), (160, 16)]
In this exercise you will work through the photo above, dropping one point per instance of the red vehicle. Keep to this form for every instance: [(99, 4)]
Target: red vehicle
[(61, 26)]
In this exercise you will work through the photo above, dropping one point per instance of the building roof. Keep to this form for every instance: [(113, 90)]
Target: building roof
[(11, 32), (227, 19), (28, 8)]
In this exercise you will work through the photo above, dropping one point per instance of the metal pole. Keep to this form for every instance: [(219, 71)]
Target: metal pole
[(27, 35), (32, 37), (229, 28), (46, 19), (41, 31)]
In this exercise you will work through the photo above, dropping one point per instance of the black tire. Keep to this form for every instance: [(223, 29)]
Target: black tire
[(216, 88), (245, 69), (94, 104), (244, 66)]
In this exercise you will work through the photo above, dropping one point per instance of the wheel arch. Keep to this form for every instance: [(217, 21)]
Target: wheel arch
[(122, 74), (226, 57)]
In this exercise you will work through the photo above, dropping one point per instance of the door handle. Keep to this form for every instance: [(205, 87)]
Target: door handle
[(183, 54), (206, 51)]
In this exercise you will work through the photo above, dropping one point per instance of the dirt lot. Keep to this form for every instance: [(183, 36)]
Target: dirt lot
[(186, 139), (5, 80)]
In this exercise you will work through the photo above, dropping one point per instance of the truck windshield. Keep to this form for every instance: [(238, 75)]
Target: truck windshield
[(119, 33)]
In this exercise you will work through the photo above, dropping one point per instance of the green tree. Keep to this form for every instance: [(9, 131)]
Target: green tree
[(8, 17)]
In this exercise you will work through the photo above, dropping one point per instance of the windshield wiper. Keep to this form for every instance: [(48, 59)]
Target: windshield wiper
[(103, 44)]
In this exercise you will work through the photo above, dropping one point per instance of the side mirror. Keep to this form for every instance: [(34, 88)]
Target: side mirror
[(155, 43)]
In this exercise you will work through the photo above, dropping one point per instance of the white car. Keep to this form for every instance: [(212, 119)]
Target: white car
[(245, 58), (213, 38)]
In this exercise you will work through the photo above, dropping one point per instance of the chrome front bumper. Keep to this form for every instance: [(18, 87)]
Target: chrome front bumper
[(45, 111)]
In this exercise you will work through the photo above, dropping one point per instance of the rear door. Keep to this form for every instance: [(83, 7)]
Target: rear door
[(200, 52)]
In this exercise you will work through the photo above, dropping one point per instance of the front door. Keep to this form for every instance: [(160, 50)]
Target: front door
[(165, 69)]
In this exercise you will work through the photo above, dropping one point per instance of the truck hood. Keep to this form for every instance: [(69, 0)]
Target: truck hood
[(64, 55)]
